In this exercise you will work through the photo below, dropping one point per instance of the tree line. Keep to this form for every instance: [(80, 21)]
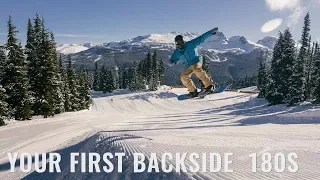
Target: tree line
[(33, 80), (143, 75), (294, 75)]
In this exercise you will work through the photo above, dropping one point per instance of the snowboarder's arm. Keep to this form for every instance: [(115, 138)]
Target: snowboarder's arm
[(173, 58), (197, 41)]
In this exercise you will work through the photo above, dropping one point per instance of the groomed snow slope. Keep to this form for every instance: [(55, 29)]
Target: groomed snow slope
[(157, 122)]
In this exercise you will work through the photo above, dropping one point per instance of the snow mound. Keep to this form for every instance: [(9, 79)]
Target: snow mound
[(252, 89)]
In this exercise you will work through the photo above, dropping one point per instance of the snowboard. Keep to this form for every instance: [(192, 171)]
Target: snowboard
[(202, 94)]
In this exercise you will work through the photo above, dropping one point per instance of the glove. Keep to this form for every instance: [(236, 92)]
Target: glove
[(170, 63), (214, 31)]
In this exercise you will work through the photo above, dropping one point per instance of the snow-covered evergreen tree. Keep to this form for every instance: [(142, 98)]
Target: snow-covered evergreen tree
[(148, 67), (309, 72), (286, 64), (58, 83), (125, 79), (34, 54), (3, 105), (3, 59), (262, 76), (153, 81), (103, 79), (297, 89), (116, 78), (67, 96), (132, 76), (316, 75), (109, 85), (84, 90), (96, 78), (273, 93), (15, 78), (161, 70), (73, 86)]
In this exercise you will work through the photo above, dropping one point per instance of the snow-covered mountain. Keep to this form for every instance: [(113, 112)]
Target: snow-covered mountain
[(73, 48), (268, 41), (166, 42), (233, 57)]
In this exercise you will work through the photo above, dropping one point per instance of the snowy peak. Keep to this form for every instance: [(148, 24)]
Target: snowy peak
[(269, 41), (88, 45), (73, 48), (239, 43), (166, 41), (152, 39)]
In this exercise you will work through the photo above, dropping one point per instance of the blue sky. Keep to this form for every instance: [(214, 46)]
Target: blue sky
[(98, 21)]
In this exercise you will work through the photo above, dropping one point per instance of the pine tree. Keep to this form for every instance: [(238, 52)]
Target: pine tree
[(73, 86), (67, 96), (286, 65), (133, 77), (153, 81), (154, 62), (125, 79), (34, 51), (3, 105), (47, 80), (309, 72), (262, 76), (109, 86), (65, 86), (273, 93), (161, 71), (84, 90), (116, 78), (3, 59), (316, 75), (96, 78), (58, 83), (148, 67), (297, 91), (15, 77), (103, 79)]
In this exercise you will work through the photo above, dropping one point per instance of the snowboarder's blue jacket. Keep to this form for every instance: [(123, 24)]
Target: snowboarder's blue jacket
[(189, 56)]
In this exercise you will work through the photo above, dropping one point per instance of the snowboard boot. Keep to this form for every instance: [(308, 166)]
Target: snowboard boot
[(193, 94), (210, 89)]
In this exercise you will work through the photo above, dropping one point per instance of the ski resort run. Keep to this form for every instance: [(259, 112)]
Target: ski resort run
[(156, 122)]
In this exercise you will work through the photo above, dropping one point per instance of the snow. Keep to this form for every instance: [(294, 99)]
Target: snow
[(157, 122), (99, 58), (268, 41), (249, 89), (73, 48)]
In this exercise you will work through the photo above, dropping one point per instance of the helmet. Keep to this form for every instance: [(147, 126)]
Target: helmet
[(178, 38)]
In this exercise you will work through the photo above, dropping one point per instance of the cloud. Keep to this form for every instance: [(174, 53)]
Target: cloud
[(296, 8), (279, 5), (80, 36), (271, 25)]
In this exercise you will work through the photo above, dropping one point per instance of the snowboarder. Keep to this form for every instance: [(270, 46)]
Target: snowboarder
[(187, 54)]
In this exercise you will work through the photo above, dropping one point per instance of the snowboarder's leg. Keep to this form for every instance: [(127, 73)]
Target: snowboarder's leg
[(186, 79), (202, 75)]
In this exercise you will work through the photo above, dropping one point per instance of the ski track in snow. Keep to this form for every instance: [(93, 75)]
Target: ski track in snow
[(156, 122)]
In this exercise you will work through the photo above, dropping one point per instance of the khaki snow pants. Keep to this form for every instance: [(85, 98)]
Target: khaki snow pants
[(198, 71)]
